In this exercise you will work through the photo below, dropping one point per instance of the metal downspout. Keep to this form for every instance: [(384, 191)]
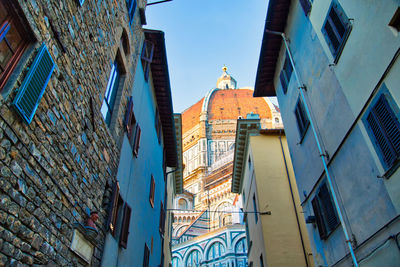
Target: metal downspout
[(322, 153)]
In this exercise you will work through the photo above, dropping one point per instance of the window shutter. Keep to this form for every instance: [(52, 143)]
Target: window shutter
[(329, 212), (148, 50), (306, 5), (386, 129), (123, 241), (162, 218), (318, 216), (130, 120), (32, 89), (113, 208)]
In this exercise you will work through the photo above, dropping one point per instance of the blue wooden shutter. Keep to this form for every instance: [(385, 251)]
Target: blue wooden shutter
[(32, 89), (318, 217), (386, 130), (328, 209)]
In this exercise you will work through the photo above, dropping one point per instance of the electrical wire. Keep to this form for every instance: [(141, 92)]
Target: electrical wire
[(244, 212)]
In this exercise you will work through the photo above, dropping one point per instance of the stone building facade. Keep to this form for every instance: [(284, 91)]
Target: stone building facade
[(60, 163)]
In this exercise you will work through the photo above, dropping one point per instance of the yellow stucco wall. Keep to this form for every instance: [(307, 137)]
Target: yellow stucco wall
[(281, 235)]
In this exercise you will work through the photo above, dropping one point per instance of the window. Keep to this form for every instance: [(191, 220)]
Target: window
[(115, 208), (111, 93), (215, 251), (146, 256), (131, 6), (255, 208), (286, 73), (301, 118), (336, 29), (324, 212), (123, 240), (306, 5), (162, 218), (147, 57), (261, 261), (383, 126), (152, 189), (32, 89), (14, 40), (81, 2)]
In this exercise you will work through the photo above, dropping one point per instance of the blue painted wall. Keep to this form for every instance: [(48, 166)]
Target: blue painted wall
[(364, 198), (134, 176)]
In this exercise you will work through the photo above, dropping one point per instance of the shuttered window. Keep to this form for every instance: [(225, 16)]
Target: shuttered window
[(146, 256), (336, 29), (384, 129), (131, 6), (158, 125), (130, 120), (324, 211), (114, 208), (152, 190), (286, 74), (136, 143), (147, 57), (301, 118), (123, 240), (14, 39), (32, 89)]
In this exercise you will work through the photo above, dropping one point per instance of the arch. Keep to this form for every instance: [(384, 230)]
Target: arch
[(193, 257), (182, 204), (216, 250), (178, 256), (212, 242), (220, 211), (175, 262), (241, 246)]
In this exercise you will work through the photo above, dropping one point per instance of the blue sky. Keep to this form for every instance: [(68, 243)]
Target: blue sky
[(203, 35)]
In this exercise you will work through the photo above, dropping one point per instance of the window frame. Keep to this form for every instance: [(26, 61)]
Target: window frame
[(131, 7), (345, 23), (301, 118), (136, 142), (255, 208), (114, 209), (13, 19), (324, 208), (146, 256), (394, 114), (111, 92), (286, 73), (162, 219), (147, 58)]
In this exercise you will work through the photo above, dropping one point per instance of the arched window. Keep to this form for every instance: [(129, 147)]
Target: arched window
[(182, 204), (193, 259), (216, 250), (240, 246), (227, 220), (125, 42), (175, 262)]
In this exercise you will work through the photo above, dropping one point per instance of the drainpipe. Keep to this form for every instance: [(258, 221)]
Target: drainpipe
[(323, 155)]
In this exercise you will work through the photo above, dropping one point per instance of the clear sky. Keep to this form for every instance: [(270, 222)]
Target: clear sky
[(203, 35)]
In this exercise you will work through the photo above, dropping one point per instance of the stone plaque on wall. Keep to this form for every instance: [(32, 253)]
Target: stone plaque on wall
[(81, 246)]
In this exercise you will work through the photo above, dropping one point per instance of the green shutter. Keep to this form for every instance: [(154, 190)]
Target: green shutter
[(31, 91)]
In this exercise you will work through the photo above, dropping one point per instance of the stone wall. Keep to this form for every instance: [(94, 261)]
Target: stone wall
[(60, 166)]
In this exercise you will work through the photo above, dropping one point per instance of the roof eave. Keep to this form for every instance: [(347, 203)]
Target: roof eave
[(162, 88), (277, 15)]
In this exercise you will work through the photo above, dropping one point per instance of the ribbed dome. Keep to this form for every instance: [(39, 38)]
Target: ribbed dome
[(226, 105), (230, 104)]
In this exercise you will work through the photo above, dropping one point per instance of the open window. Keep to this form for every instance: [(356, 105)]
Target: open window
[(147, 57)]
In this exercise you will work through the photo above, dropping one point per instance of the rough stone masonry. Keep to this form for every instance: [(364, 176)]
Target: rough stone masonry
[(63, 164)]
